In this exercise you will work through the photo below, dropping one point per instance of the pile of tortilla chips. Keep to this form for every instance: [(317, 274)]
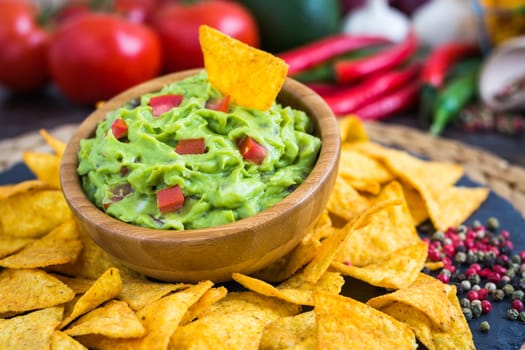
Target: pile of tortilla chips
[(59, 290)]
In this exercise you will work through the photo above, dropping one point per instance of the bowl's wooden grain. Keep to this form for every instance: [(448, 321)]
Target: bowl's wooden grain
[(192, 255)]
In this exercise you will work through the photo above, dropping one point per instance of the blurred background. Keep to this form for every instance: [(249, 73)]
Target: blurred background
[(451, 68)]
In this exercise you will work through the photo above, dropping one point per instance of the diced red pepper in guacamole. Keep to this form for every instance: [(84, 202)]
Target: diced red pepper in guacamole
[(162, 104), (219, 104), (170, 199), (191, 146), (119, 128), (251, 150)]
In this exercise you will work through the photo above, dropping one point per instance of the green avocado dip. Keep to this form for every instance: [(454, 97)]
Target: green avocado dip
[(184, 164)]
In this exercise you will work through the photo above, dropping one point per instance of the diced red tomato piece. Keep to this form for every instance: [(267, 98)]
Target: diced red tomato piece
[(162, 104), (220, 104), (191, 146), (119, 128), (170, 199), (251, 150)]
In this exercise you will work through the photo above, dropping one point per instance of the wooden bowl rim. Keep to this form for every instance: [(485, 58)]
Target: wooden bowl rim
[(327, 162)]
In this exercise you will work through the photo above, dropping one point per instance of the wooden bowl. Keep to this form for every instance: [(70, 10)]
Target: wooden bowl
[(214, 253)]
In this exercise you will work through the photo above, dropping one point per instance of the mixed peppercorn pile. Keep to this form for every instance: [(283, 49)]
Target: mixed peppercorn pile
[(480, 260)]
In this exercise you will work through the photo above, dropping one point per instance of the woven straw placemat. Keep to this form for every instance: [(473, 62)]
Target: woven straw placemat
[(505, 179)]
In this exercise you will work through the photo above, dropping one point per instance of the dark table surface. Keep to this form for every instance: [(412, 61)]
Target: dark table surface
[(48, 109)]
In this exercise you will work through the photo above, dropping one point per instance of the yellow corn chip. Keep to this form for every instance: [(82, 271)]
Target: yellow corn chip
[(235, 322), (345, 201), (45, 166), (60, 246), (106, 287), (160, 319), (344, 323), (387, 231), (427, 294), (31, 331), (57, 145), (62, 341), (358, 166), (139, 292), (24, 186), (352, 129), (320, 263), (32, 214), (114, 319), (289, 332), (25, 290), (10, 245), (416, 204), (211, 296), (399, 270), (434, 265), (251, 77), (79, 285)]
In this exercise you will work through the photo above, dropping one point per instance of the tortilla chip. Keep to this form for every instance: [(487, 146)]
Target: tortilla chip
[(31, 331), (45, 166), (106, 287), (344, 323), (160, 319), (345, 201), (60, 246), (32, 214), (363, 186), (114, 319), (78, 285), (434, 265), (388, 230), (320, 263), (57, 145), (416, 204), (399, 270), (427, 294), (251, 77), (24, 186), (289, 332), (10, 245), (358, 166), (25, 290), (235, 322), (92, 262), (352, 129), (139, 292), (62, 341), (211, 296)]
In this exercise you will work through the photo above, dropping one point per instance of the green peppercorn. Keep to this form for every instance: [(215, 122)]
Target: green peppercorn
[(508, 289), (476, 224), (460, 257), (522, 316), (511, 273), (518, 294), (477, 310), (498, 295), (467, 312), (438, 236), (512, 314), (484, 326), (516, 259), (493, 223), (474, 278), (462, 229), (472, 258), (466, 285), (476, 287), (465, 303), (490, 287)]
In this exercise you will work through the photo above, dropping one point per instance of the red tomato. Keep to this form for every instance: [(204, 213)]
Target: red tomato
[(23, 47), (178, 27), (95, 56)]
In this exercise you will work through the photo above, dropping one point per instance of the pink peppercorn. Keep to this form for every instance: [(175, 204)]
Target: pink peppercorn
[(470, 271), (484, 272), (483, 293), (472, 295), (486, 306), (476, 267), (522, 255), (518, 305), (499, 269), (443, 277), (494, 277), (449, 249), (505, 234), (434, 255)]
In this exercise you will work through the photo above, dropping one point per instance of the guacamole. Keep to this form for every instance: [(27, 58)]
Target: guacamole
[(140, 155)]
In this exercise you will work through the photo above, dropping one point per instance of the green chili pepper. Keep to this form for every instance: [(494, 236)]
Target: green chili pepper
[(455, 95)]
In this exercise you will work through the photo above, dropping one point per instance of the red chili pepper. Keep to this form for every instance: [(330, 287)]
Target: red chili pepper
[(191, 146), (119, 128), (162, 104), (346, 71), (170, 199), (442, 58), (434, 72), (357, 96), (326, 89), (311, 54), (390, 104)]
